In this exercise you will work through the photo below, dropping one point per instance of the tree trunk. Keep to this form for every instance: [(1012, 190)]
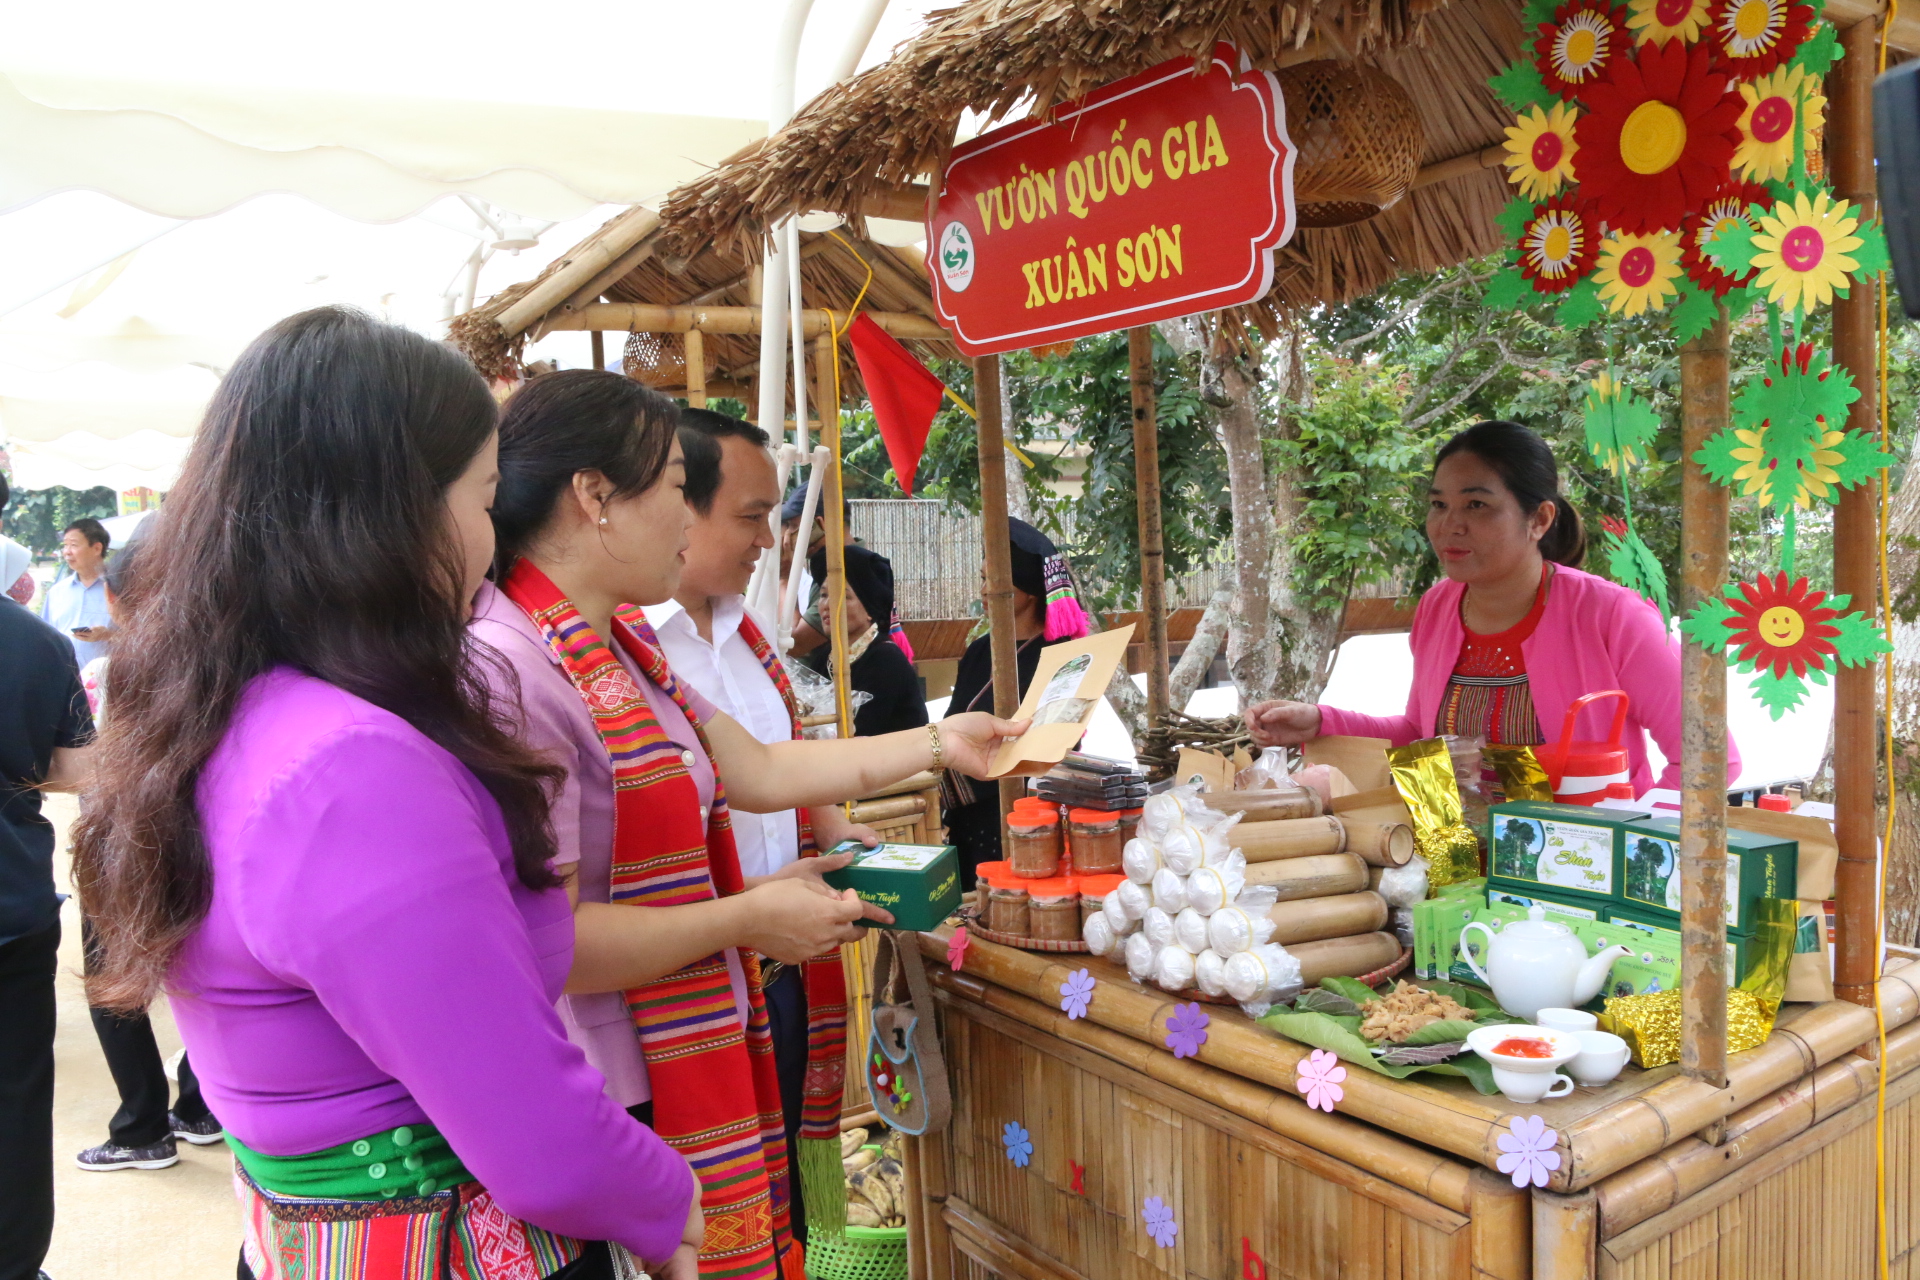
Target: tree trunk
[(1903, 855), (1019, 498), (1200, 650), (1278, 646)]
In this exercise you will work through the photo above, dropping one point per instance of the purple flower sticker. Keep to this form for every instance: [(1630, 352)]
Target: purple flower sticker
[(1018, 1142), (1319, 1076), (1530, 1156), (1075, 992), (1187, 1030), (1160, 1224), (957, 948)]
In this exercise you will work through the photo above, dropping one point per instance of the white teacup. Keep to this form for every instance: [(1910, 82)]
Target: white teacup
[(1572, 1020), (1531, 1086), (1602, 1055)]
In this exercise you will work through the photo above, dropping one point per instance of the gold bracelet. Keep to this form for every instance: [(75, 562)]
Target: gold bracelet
[(939, 752)]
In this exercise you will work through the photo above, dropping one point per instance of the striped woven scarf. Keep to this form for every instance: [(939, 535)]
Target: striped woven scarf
[(716, 1097)]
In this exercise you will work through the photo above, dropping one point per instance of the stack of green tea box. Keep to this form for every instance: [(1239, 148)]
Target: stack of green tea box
[(1612, 876)]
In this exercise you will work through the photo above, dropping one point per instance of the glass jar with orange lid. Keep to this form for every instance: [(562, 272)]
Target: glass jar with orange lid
[(1093, 893), (1094, 836), (1033, 843), (1053, 913), (1006, 907)]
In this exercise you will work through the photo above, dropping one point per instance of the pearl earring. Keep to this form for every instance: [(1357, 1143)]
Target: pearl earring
[(603, 519)]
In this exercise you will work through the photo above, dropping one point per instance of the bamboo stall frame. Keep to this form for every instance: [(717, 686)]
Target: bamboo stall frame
[(1699, 1168)]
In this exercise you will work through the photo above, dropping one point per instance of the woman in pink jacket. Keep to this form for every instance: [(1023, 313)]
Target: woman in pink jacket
[(1516, 632)]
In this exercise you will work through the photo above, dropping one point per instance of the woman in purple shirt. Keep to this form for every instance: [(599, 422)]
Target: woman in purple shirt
[(327, 851)]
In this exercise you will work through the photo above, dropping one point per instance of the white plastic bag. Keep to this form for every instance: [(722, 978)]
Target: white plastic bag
[(1099, 934), (1190, 930), (1257, 978), (1141, 953), (1210, 888), (1173, 969), (1404, 886), (1243, 924), (1169, 891), (1118, 921), (1133, 897), (1210, 972), (1140, 859), (1158, 926)]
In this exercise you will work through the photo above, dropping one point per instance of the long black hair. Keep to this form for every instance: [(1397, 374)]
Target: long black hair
[(1524, 462), (307, 530), (564, 423)]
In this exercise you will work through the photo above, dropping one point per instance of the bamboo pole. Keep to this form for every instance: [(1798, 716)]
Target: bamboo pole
[(1566, 1235), (1289, 838), (646, 317), (1340, 915), (579, 266), (1344, 957), (927, 1225), (1153, 556), (998, 593), (599, 349), (836, 531), (1318, 876), (1266, 806), (1703, 719), (1855, 542), (696, 351)]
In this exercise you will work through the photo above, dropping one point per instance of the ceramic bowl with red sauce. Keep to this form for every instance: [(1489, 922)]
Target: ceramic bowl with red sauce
[(1526, 1060)]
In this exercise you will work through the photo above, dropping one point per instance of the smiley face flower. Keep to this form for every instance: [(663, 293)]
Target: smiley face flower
[(1558, 246), (1774, 102), (1657, 21), (1575, 49), (1639, 273), (1755, 36), (1540, 150), (1779, 627), (1727, 209), (1803, 248)]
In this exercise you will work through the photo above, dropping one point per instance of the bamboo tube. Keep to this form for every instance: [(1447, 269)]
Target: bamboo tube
[(924, 1221), (1345, 957), (833, 607), (1146, 483), (646, 317), (1855, 536), (598, 341), (1566, 1236), (696, 369), (1379, 844), (1289, 838), (916, 1248), (1339, 916), (887, 810), (559, 281), (1266, 805), (1315, 877), (1703, 719), (997, 592)]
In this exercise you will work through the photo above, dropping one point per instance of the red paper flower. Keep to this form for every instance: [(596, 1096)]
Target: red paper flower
[(1725, 209), (1779, 627), (1614, 525), (1558, 245), (1658, 137), (1755, 36), (1576, 48)]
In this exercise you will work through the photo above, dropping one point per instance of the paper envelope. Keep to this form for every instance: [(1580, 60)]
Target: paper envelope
[(1068, 684)]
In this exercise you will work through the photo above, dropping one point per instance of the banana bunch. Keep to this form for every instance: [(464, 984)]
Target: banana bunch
[(876, 1181)]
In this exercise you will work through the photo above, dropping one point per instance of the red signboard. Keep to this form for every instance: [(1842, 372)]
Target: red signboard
[(1161, 195)]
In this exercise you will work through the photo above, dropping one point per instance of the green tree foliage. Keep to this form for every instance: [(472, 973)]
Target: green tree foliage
[(35, 517)]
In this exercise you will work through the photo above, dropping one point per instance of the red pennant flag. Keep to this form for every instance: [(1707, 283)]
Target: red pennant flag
[(904, 394)]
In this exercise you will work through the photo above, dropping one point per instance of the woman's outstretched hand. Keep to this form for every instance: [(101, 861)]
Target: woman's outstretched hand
[(1283, 724), (968, 739)]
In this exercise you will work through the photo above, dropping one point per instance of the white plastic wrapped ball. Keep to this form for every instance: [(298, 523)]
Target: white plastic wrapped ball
[(1134, 899), (1210, 972), (1099, 934), (1173, 969), (1141, 953), (1257, 978), (1169, 890), (1140, 859), (1404, 886), (1118, 921), (1210, 888), (1158, 926), (1190, 930)]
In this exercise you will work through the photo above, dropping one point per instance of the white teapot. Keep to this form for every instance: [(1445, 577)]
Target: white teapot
[(1534, 964)]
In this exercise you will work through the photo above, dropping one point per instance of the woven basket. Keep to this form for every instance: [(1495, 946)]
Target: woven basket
[(863, 1253), (1359, 137), (657, 359)]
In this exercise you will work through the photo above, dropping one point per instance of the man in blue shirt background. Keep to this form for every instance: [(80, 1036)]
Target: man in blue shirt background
[(76, 605)]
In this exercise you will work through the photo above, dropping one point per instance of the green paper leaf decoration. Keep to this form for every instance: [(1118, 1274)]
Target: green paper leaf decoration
[(1520, 85), (1693, 313), (1821, 50), (1619, 425), (1860, 641), (1861, 459), (1707, 626), (1733, 248), (1872, 253), (1778, 694), (1633, 565), (1582, 306), (1797, 395), (1716, 458), (1514, 218), (1508, 291), (1789, 446), (1535, 13)]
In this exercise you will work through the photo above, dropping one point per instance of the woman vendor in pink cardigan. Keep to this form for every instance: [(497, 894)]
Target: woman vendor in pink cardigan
[(1516, 632)]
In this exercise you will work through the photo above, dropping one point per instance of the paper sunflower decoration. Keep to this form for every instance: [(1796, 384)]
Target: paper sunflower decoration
[(1577, 46), (1638, 273), (1786, 632), (1802, 249), (1658, 21), (1540, 150), (1773, 104), (1789, 447), (1755, 36), (1620, 426), (1658, 137), (1558, 245), (1730, 208)]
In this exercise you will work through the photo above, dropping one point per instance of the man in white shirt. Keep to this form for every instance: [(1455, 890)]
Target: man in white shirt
[(76, 605), (704, 630)]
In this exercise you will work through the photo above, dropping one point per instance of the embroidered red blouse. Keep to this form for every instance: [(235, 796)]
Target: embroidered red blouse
[(1488, 695)]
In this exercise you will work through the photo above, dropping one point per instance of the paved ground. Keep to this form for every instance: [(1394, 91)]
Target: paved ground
[(168, 1224)]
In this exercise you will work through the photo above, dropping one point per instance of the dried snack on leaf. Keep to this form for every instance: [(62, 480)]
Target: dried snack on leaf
[(1392, 1018)]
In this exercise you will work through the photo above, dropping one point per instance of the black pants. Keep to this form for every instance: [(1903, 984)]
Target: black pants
[(787, 1018), (26, 1101), (126, 1040)]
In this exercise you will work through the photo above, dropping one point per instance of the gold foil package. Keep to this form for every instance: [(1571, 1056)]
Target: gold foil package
[(1650, 1024), (1518, 772), (1423, 775)]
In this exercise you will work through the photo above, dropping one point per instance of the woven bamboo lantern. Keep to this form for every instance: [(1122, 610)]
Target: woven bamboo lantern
[(657, 359), (1359, 137)]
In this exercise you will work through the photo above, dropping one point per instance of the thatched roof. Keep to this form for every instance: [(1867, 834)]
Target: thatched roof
[(864, 144)]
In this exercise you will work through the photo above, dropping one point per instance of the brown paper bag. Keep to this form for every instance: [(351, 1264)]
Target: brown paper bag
[(1819, 852), (1363, 760), (1810, 975), (1067, 685), (1213, 771)]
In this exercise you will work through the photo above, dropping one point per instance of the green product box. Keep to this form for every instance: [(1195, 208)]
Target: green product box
[(1569, 914), (1758, 867), (1463, 889), (918, 883), (1424, 929), (1450, 916), (1563, 849), (1643, 930)]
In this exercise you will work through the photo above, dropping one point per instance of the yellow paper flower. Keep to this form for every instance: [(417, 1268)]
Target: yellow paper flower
[(1803, 248), (1658, 21), (1765, 153), (1755, 473), (1813, 477), (1540, 150), (1639, 273)]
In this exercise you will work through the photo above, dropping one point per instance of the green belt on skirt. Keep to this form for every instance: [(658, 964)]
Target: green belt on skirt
[(412, 1160)]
